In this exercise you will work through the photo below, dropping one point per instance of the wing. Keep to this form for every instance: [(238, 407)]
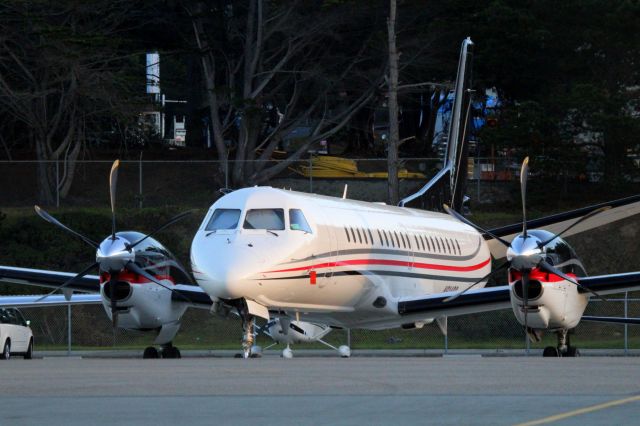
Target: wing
[(31, 301), (473, 301), (51, 279), (192, 294), (612, 320), (620, 209), (495, 298), (613, 283), (184, 293)]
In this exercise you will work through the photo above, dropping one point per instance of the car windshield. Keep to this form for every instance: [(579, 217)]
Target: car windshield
[(223, 219), (271, 219), (297, 221), (4, 317)]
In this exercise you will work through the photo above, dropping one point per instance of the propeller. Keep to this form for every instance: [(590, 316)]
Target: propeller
[(114, 254), (526, 252)]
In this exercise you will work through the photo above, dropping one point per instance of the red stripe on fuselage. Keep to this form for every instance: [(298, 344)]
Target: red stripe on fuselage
[(387, 262)]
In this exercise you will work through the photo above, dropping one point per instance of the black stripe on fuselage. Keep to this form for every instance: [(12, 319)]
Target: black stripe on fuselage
[(379, 273), (391, 252)]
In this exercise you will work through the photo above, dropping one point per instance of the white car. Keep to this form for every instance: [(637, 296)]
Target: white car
[(16, 336)]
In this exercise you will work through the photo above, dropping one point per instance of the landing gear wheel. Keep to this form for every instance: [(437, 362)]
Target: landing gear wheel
[(550, 352), (150, 353), (344, 351), (170, 352), (287, 353), (6, 352), (573, 352), (29, 353)]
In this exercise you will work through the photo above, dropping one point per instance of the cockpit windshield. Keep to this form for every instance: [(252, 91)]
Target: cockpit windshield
[(223, 219), (270, 219), (298, 222)]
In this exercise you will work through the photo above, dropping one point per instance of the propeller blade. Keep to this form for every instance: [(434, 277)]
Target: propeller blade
[(170, 222), (113, 180), (547, 267), (473, 225), (524, 172), (498, 269), (133, 267), (66, 283), (113, 277), (46, 216), (582, 219)]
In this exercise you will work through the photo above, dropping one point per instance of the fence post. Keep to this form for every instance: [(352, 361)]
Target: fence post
[(446, 340), (69, 329), (310, 172), (478, 173), (226, 172), (57, 183), (140, 181), (626, 326)]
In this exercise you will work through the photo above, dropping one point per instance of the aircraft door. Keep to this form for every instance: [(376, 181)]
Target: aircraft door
[(331, 247)]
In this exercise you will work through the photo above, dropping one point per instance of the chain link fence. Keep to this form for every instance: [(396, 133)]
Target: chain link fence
[(187, 184), (90, 329), (149, 183)]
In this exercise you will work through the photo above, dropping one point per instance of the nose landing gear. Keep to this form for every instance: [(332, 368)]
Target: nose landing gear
[(563, 349), (166, 351)]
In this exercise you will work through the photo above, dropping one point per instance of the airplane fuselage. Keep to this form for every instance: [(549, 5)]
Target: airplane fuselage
[(349, 266)]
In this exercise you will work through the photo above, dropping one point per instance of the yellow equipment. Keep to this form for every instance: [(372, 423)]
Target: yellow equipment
[(340, 168)]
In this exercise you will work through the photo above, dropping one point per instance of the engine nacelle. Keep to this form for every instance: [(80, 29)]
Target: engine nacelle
[(141, 304), (553, 303), (293, 332)]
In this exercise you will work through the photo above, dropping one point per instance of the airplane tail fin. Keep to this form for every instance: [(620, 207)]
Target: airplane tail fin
[(448, 185)]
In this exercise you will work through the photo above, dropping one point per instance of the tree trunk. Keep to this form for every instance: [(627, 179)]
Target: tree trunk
[(394, 134)]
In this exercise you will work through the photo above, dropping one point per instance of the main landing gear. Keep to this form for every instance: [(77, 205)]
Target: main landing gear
[(248, 336), (166, 351), (564, 348)]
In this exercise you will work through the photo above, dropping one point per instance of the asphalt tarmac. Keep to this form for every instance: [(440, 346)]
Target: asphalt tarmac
[(454, 390)]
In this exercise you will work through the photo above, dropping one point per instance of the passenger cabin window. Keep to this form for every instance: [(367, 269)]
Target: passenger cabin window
[(223, 219), (271, 219), (297, 221)]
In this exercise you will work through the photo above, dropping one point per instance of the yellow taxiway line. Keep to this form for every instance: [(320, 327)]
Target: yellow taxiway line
[(581, 411)]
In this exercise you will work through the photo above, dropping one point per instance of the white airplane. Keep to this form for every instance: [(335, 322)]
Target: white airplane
[(141, 284), (273, 253)]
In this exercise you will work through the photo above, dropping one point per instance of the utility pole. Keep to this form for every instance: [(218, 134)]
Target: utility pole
[(392, 101)]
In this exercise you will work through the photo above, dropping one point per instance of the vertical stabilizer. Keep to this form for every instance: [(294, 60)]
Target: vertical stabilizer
[(448, 185)]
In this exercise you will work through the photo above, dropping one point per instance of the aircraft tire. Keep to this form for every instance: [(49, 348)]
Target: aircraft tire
[(550, 352), (150, 353), (573, 352), (171, 352)]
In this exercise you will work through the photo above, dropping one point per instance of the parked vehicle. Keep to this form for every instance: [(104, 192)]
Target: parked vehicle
[(16, 336)]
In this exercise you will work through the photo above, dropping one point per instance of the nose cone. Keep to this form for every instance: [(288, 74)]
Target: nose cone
[(524, 253), (113, 255), (226, 271)]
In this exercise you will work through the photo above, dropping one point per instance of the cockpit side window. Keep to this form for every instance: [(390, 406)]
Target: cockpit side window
[(272, 219), (297, 221), (223, 219)]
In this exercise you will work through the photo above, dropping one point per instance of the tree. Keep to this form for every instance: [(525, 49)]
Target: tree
[(394, 133), (259, 56), (64, 74)]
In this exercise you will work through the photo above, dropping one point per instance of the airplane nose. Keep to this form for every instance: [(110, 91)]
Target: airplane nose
[(227, 275)]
